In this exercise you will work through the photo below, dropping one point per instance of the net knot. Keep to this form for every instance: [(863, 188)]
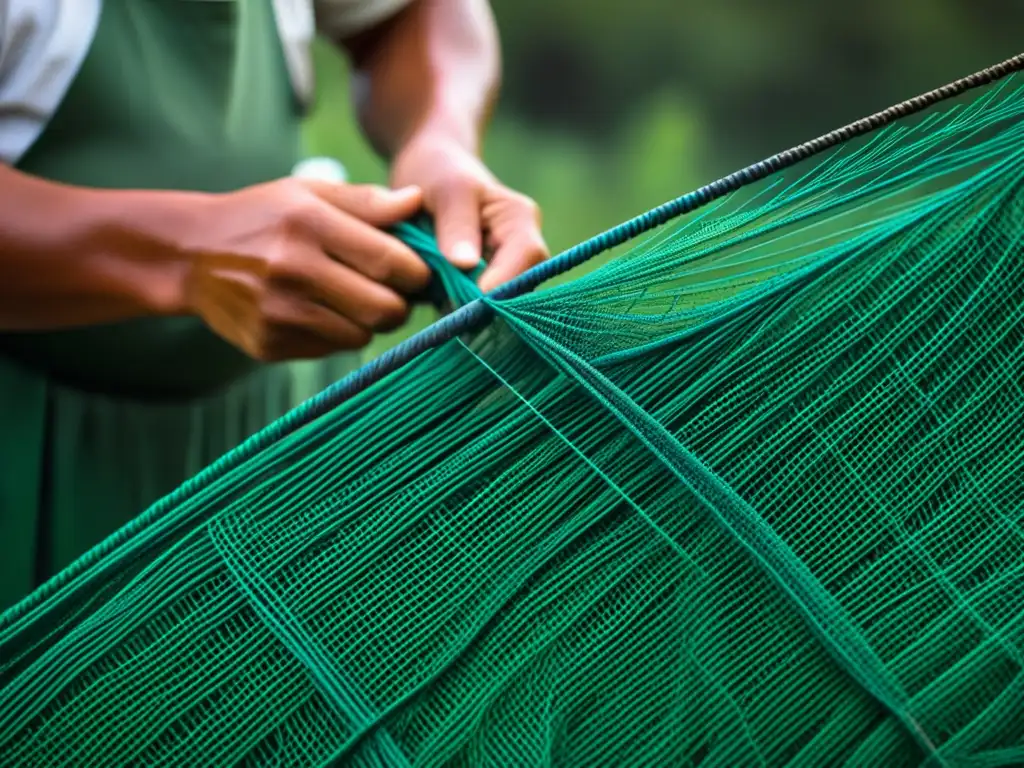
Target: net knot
[(449, 285)]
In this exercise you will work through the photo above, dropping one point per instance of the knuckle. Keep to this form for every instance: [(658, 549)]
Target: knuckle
[(266, 355), (389, 266), (367, 198), (419, 278), (360, 338), (277, 261), (381, 267), (275, 315), (399, 314), (262, 347), (301, 212), (294, 186), (387, 313), (529, 206), (286, 270)]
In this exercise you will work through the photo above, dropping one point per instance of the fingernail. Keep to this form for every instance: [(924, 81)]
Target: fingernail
[(465, 256), (410, 191)]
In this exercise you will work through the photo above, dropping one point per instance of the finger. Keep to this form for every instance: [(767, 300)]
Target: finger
[(524, 249), (456, 212), (363, 301), (319, 327), (375, 205), (293, 327), (370, 252), (299, 344)]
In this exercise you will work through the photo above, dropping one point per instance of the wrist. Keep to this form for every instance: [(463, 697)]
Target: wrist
[(433, 152), (446, 127), (140, 238)]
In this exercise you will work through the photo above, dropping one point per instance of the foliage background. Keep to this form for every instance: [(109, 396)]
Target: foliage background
[(610, 108)]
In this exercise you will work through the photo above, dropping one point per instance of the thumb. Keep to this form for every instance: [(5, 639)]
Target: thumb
[(370, 203), (457, 223)]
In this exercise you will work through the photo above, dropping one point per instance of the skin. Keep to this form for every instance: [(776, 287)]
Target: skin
[(291, 268), (427, 82)]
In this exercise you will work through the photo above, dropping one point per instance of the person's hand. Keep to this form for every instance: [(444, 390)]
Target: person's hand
[(472, 210), (300, 269)]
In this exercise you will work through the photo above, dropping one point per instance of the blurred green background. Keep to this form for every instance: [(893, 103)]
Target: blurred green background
[(610, 108)]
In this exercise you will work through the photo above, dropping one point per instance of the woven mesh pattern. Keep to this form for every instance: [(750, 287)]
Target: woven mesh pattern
[(749, 494)]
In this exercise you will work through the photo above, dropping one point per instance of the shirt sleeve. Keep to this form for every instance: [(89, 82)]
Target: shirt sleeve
[(42, 46), (344, 18)]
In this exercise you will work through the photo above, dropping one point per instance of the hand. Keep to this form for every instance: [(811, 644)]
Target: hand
[(299, 268), (472, 209)]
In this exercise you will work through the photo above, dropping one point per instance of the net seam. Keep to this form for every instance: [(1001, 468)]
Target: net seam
[(341, 693), (823, 614)]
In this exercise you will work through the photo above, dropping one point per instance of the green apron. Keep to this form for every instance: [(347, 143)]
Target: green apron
[(97, 423)]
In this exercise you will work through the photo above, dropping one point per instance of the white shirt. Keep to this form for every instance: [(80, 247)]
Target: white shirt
[(44, 42)]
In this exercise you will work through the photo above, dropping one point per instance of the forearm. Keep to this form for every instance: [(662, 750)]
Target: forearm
[(71, 256), (433, 69)]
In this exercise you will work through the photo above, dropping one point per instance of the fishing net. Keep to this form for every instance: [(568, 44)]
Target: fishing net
[(748, 494)]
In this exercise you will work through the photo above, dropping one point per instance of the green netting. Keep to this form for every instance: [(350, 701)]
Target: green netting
[(750, 494)]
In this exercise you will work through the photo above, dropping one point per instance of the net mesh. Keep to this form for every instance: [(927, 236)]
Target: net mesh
[(748, 494)]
